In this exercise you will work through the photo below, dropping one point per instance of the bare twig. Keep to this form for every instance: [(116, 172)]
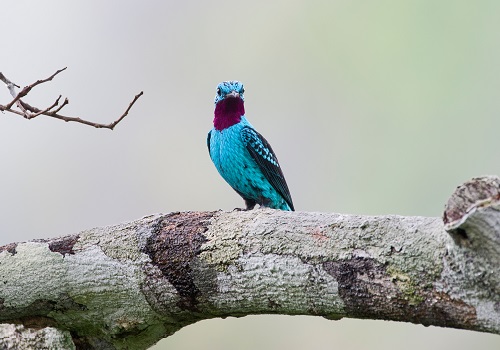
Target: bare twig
[(61, 106), (30, 112), (7, 81), (11, 87), (113, 124), (28, 88), (46, 109)]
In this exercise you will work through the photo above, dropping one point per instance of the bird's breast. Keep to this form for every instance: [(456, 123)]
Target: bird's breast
[(229, 154)]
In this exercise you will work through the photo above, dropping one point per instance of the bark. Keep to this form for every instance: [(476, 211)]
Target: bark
[(127, 286)]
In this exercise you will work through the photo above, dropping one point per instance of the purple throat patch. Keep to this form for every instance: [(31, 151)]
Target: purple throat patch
[(228, 112)]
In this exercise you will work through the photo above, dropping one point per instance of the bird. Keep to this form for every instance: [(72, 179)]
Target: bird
[(242, 156)]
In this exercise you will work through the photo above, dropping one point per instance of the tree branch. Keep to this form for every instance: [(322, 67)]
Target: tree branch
[(28, 88), (30, 112), (137, 282)]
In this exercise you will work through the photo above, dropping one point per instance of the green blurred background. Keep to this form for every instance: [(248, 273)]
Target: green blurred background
[(373, 107)]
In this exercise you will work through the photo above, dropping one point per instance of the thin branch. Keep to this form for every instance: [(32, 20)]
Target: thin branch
[(30, 112), (7, 81), (11, 87), (54, 114), (46, 110), (28, 88), (113, 124), (61, 106)]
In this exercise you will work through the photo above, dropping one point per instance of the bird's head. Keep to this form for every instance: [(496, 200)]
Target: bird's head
[(229, 89), (229, 104)]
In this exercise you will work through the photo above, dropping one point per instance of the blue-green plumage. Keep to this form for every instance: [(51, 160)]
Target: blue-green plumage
[(242, 156)]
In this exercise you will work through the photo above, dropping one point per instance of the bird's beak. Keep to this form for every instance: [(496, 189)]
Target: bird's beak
[(233, 94)]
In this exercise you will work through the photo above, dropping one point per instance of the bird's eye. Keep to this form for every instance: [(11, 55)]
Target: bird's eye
[(242, 90), (218, 91)]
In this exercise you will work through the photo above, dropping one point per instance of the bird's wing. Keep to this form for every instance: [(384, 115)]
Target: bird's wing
[(264, 156), (208, 142)]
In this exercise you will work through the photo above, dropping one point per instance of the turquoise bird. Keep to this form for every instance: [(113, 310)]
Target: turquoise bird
[(242, 156)]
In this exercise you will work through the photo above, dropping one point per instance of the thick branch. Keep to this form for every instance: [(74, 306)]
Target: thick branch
[(137, 282), (19, 337), (30, 112)]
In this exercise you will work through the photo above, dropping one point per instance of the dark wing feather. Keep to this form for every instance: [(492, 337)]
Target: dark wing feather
[(208, 142), (266, 159)]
